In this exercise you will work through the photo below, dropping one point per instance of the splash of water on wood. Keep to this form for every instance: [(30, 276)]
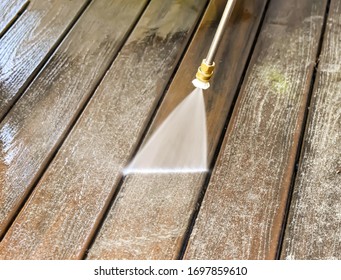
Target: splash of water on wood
[(179, 145)]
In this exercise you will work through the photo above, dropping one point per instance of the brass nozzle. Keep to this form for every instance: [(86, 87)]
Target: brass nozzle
[(205, 72)]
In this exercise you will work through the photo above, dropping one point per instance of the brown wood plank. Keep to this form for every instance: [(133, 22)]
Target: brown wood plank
[(9, 10), (150, 217), (25, 47), (61, 216), (314, 224), (38, 122), (243, 210)]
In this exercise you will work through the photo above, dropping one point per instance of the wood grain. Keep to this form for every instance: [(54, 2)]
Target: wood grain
[(33, 129), (151, 214), (63, 212), (314, 225), (27, 45), (243, 210), (9, 10)]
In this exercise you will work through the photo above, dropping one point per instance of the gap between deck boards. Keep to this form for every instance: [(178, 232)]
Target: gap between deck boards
[(41, 64), (303, 131), (8, 23)]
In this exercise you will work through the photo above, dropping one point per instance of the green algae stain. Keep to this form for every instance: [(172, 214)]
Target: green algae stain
[(277, 81)]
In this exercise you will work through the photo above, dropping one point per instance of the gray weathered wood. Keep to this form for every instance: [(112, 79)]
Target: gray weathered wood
[(9, 10), (38, 122), (314, 225), (25, 47), (243, 210), (150, 217), (61, 216)]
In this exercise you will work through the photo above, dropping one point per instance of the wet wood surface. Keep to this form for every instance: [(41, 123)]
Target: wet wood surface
[(9, 11), (314, 227), (68, 203), (243, 210), (39, 121), (29, 42), (151, 214)]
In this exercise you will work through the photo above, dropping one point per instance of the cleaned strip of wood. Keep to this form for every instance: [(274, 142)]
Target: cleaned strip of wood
[(151, 214), (9, 10), (63, 212), (33, 129), (243, 210), (27, 45), (314, 224)]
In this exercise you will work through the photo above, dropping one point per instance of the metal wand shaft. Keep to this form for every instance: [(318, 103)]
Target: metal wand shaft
[(205, 71), (220, 31)]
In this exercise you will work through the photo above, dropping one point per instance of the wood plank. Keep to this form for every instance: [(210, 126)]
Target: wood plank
[(243, 210), (33, 129), (27, 45), (313, 230), (9, 11), (61, 216), (151, 214)]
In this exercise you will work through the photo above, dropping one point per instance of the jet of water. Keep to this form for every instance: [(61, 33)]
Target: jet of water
[(179, 145)]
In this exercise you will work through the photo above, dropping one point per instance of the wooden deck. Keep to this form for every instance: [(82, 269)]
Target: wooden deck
[(83, 83)]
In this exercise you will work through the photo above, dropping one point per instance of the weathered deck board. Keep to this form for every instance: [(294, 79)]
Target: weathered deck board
[(314, 227), (37, 123), (61, 216), (243, 210), (26, 46), (9, 10), (150, 217)]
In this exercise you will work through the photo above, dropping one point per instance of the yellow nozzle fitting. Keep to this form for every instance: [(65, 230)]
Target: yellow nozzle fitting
[(205, 72)]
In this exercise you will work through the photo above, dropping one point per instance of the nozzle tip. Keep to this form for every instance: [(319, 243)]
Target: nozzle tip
[(200, 84)]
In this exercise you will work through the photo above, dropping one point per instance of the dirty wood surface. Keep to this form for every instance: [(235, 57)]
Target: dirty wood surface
[(67, 204), (242, 213), (165, 203), (314, 227), (9, 11), (39, 121), (29, 42)]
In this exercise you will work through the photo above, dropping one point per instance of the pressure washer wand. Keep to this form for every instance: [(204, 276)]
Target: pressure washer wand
[(205, 71)]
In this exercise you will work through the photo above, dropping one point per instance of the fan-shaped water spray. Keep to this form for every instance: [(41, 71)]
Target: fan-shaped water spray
[(179, 144)]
